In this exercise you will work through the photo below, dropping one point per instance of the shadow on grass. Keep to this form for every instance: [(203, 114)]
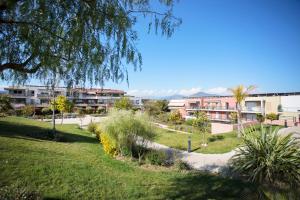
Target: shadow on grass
[(205, 186), (31, 132)]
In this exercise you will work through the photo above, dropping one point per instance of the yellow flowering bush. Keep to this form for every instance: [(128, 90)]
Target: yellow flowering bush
[(108, 145)]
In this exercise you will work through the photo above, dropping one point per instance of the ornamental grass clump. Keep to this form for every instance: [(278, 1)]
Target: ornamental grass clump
[(269, 158), (128, 131)]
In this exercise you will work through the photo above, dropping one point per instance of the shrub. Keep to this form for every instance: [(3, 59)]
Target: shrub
[(175, 117), (127, 130), (108, 144), (27, 110), (272, 117), (89, 110), (46, 111), (215, 138), (180, 165), (100, 110), (92, 127), (260, 118), (123, 103), (155, 157), (267, 157)]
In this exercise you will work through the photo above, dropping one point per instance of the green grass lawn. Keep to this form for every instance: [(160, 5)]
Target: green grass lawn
[(177, 140), (78, 169)]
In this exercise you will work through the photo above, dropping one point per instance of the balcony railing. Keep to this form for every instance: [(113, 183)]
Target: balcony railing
[(252, 109), (220, 119), (211, 108), (17, 95)]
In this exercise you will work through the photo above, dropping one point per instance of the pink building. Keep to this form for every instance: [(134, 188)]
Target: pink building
[(218, 108)]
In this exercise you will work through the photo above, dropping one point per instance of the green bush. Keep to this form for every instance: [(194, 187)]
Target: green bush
[(189, 122), (27, 110), (269, 158), (155, 157), (46, 111), (215, 138), (89, 110)]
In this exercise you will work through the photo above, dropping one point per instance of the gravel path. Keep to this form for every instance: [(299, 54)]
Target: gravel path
[(199, 161)]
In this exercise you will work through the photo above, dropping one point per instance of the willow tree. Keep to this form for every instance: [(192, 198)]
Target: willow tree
[(79, 40), (240, 93)]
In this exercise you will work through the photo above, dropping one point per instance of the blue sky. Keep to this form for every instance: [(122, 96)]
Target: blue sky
[(220, 44)]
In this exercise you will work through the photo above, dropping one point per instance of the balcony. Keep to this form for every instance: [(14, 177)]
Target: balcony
[(17, 95), (210, 108), (252, 110)]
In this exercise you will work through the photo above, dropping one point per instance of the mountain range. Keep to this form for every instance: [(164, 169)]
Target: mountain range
[(178, 96)]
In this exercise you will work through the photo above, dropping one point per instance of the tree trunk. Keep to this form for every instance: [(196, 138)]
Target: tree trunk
[(239, 120), (53, 112), (62, 117)]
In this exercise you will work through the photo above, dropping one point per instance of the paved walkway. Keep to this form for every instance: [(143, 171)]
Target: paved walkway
[(163, 126), (84, 121), (295, 130), (199, 161)]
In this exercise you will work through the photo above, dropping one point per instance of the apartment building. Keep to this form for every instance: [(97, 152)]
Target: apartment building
[(40, 96), (218, 108)]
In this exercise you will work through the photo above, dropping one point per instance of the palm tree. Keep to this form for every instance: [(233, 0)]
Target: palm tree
[(240, 92)]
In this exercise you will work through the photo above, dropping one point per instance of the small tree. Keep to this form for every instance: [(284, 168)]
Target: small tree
[(233, 117), (240, 93), (46, 111), (202, 123), (272, 117), (155, 108), (61, 105), (175, 117), (5, 105), (260, 118), (123, 103), (81, 115), (27, 110), (69, 106)]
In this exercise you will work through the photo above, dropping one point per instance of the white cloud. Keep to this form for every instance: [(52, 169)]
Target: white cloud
[(217, 90), (187, 92)]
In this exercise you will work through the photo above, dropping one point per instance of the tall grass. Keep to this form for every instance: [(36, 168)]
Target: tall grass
[(129, 131)]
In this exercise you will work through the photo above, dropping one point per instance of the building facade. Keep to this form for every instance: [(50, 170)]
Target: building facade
[(40, 96), (219, 108)]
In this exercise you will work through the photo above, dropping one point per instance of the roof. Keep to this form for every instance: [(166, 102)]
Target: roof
[(99, 91), (176, 103), (267, 94)]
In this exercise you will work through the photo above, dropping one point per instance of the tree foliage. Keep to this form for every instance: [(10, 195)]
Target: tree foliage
[(175, 117), (28, 110), (272, 116), (201, 121), (240, 93), (156, 107), (260, 118), (5, 105), (81, 40), (123, 103)]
